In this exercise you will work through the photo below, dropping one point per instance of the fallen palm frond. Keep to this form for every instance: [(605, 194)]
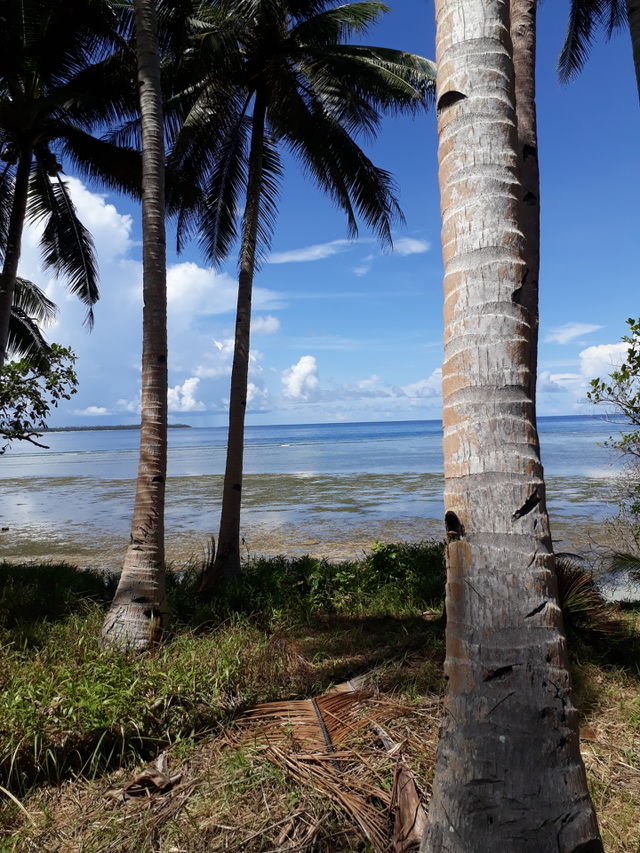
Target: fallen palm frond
[(346, 790), (318, 729)]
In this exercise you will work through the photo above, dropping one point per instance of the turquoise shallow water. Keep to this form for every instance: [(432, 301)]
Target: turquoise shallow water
[(330, 488)]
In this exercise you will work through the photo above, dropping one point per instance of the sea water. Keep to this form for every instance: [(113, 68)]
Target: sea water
[(308, 488)]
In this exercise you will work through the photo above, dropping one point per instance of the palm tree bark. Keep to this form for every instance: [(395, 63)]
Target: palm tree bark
[(509, 775), (138, 614), (227, 560), (633, 13), (13, 247), (523, 38)]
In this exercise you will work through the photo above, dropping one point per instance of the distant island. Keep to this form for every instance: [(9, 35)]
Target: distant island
[(117, 426)]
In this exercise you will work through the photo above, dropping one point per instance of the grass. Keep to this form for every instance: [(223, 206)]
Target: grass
[(75, 719)]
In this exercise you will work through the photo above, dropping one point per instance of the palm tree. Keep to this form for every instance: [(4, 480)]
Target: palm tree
[(278, 74), (509, 775), (59, 79), (587, 15), (523, 38), (138, 614)]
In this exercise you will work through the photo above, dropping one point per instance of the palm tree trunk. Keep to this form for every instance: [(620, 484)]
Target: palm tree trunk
[(633, 13), (138, 613), (509, 776), (523, 38), (14, 244), (227, 561)]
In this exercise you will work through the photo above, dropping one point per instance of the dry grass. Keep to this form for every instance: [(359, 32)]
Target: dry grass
[(240, 791)]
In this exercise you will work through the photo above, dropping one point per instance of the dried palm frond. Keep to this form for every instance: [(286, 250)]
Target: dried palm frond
[(347, 792)]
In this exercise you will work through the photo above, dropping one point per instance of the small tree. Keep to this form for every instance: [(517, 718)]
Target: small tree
[(28, 393), (621, 391)]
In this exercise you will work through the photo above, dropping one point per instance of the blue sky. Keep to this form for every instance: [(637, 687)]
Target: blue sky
[(346, 332)]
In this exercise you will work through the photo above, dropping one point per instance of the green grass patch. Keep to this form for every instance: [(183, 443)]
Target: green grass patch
[(68, 707)]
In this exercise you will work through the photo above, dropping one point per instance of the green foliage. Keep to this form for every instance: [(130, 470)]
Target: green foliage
[(622, 391), (68, 706), (51, 591), (28, 393), (392, 578), (320, 96)]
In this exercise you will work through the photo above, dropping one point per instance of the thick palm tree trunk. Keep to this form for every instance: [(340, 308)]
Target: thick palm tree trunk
[(138, 613), (509, 776), (14, 244), (633, 13), (523, 38), (227, 560)]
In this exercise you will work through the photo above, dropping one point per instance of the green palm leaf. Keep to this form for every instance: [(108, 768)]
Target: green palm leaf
[(67, 245), (585, 16)]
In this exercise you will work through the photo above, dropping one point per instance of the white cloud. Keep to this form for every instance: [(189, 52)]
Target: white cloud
[(194, 291), (92, 412), (266, 325), (569, 332), (317, 252), (599, 361), (132, 406), (558, 383), (364, 266), (111, 231), (258, 399), (410, 246), (300, 381), (429, 387), (182, 398)]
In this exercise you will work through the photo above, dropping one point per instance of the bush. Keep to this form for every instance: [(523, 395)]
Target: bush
[(399, 578)]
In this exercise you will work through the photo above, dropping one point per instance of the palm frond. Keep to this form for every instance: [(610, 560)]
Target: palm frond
[(6, 199), (269, 192), (26, 339), (67, 246), (584, 17), (30, 299), (335, 25), (393, 80), (219, 218), (370, 189), (115, 166)]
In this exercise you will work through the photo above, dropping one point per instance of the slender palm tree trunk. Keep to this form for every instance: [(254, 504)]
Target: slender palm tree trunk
[(523, 38), (227, 560), (509, 776), (138, 613), (633, 13), (14, 244)]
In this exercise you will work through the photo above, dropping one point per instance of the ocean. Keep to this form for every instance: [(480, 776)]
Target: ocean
[(327, 489)]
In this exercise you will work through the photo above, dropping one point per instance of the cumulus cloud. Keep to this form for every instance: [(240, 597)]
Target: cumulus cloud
[(266, 325), (194, 291), (92, 412), (410, 246), (569, 332), (258, 399), (182, 398), (300, 381), (317, 252), (429, 387), (602, 359)]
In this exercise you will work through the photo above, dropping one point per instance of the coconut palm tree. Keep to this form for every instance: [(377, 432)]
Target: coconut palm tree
[(59, 79), (585, 16), (509, 775), (278, 74), (523, 38), (138, 613)]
